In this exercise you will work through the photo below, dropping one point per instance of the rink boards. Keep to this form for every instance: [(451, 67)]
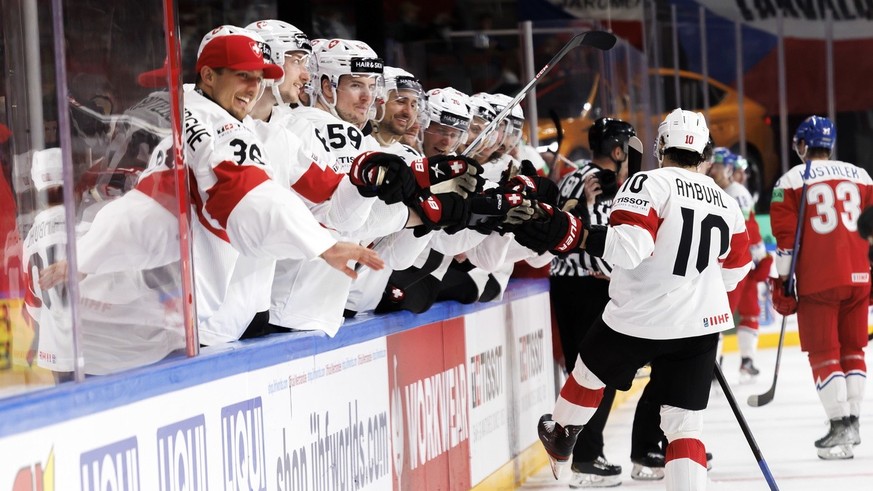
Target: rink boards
[(441, 400)]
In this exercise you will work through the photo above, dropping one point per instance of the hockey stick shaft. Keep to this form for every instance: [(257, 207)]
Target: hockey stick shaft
[(767, 397), (747, 432), (596, 39)]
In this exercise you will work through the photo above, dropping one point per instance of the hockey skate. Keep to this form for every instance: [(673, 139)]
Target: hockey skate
[(837, 444), (596, 474), (856, 427), (648, 468), (558, 441), (748, 370)]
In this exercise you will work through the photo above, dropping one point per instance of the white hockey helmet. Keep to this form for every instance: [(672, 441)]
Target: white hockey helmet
[(515, 120), (685, 130), (339, 57), (283, 39), (483, 114), (448, 108), (397, 79), (226, 30), (47, 169)]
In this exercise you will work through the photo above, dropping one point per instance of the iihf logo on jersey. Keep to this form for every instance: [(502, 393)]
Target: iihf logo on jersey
[(242, 444), (115, 466), (715, 320), (182, 456)]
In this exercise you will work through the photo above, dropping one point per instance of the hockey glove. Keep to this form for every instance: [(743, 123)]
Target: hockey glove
[(555, 231), (865, 223), (783, 301), (464, 171), (762, 270), (440, 211), (491, 208), (528, 169), (383, 175), (535, 187)]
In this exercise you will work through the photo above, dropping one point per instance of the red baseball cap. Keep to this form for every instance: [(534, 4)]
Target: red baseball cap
[(154, 79), (239, 52)]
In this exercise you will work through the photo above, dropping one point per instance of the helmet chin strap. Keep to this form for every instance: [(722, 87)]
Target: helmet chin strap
[(331, 106), (801, 155), (278, 95)]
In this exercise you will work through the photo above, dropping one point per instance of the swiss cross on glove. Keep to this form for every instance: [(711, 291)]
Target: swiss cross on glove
[(535, 187), (383, 175), (554, 231), (448, 174), (493, 207)]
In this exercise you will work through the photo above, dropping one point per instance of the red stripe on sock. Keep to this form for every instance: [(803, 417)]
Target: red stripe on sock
[(581, 396), (686, 448)]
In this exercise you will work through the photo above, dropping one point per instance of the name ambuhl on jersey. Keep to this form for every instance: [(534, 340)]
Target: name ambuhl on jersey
[(677, 243)]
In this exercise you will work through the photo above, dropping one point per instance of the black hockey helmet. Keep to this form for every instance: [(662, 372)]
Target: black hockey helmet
[(608, 133)]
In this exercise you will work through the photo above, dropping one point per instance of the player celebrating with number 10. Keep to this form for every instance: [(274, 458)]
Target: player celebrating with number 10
[(677, 243)]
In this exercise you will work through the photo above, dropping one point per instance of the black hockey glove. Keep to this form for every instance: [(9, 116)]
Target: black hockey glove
[(554, 231), (464, 174), (494, 207), (383, 175), (537, 188), (608, 184), (447, 211), (527, 169)]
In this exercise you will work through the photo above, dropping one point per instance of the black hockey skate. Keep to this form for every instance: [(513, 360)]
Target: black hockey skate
[(856, 427), (648, 468), (596, 474), (837, 444), (558, 441), (748, 368)]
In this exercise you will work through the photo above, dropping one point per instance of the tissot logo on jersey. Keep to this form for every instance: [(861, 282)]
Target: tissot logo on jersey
[(182, 456), (715, 320), (632, 203), (115, 466), (242, 445)]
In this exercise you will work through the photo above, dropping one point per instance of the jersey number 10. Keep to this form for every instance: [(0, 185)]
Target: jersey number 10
[(708, 223)]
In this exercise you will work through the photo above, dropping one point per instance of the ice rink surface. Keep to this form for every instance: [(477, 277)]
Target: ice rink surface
[(785, 431)]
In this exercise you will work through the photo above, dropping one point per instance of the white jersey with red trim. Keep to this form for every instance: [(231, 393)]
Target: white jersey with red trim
[(678, 244), (345, 140), (45, 244), (240, 209)]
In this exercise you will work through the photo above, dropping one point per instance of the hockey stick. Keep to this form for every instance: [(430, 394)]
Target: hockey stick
[(767, 397), (596, 39), (557, 162), (768, 476)]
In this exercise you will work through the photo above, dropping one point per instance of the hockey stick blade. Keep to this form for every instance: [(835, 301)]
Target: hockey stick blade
[(596, 39), (767, 397)]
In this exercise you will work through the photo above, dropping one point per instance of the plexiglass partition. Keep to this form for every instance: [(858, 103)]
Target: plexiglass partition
[(92, 280)]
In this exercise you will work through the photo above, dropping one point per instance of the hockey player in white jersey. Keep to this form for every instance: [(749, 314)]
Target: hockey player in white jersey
[(744, 298), (678, 244), (242, 212), (45, 244)]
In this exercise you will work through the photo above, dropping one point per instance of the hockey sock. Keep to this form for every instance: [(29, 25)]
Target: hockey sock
[(579, 398), (747, 338), (855, 368), (830, 383), (685, 460)]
